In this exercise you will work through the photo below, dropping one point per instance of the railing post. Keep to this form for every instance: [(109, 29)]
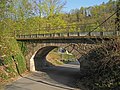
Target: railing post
[(68, 34), (36, 35), (116, 33), (58, 34), (117, 21), (24, 36), (101, 33), (78, 33), (67, 28), (30, 35), (89, 34), (50, 35), (76, 28), (53, 35)]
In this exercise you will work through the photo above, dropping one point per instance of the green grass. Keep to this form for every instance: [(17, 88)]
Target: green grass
[(11, 49)]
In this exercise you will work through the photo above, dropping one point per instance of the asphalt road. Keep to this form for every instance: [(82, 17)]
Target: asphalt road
[(51, 78)]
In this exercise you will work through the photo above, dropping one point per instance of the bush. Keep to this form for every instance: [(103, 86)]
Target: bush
[(9, 48), (103, 73)]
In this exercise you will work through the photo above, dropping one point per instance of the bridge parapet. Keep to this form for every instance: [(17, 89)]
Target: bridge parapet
[(70, 34)]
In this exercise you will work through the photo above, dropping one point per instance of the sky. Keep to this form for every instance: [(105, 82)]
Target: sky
[(73, 4)]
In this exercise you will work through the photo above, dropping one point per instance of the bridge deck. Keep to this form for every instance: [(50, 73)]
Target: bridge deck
[(70, 37), (67, 36)]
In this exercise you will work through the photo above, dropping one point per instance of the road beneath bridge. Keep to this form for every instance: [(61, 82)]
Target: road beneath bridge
[(51, 78)]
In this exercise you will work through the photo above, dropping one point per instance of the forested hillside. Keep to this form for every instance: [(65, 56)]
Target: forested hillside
[(92, 14), (32, 16)]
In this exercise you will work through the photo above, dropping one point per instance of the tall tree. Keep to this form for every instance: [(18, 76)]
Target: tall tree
[(51, 7), (118, 16), (3, 8)]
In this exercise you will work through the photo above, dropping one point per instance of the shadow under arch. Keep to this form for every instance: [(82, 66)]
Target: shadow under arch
[(40, 61), (63, 75)]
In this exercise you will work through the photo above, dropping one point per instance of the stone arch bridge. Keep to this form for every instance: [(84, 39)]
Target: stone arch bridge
[(38, 49)]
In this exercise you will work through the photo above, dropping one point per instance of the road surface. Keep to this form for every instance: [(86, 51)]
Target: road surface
[(51, 78)]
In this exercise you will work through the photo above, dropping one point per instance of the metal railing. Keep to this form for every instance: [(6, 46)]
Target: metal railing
[(70, 34)]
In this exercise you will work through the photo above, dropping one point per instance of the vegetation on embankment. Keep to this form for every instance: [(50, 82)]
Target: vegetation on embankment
[(10, 55), (57, 58), (54, 58), (103, 71)]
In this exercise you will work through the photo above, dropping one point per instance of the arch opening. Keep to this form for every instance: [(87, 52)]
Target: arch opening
[(41, 58), (40, 61)]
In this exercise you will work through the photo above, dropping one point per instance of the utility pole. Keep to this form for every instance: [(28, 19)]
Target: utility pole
[(40, 12), (40, 8), (117, 21)]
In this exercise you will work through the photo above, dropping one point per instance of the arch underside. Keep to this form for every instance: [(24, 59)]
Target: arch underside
[(39, 58)]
